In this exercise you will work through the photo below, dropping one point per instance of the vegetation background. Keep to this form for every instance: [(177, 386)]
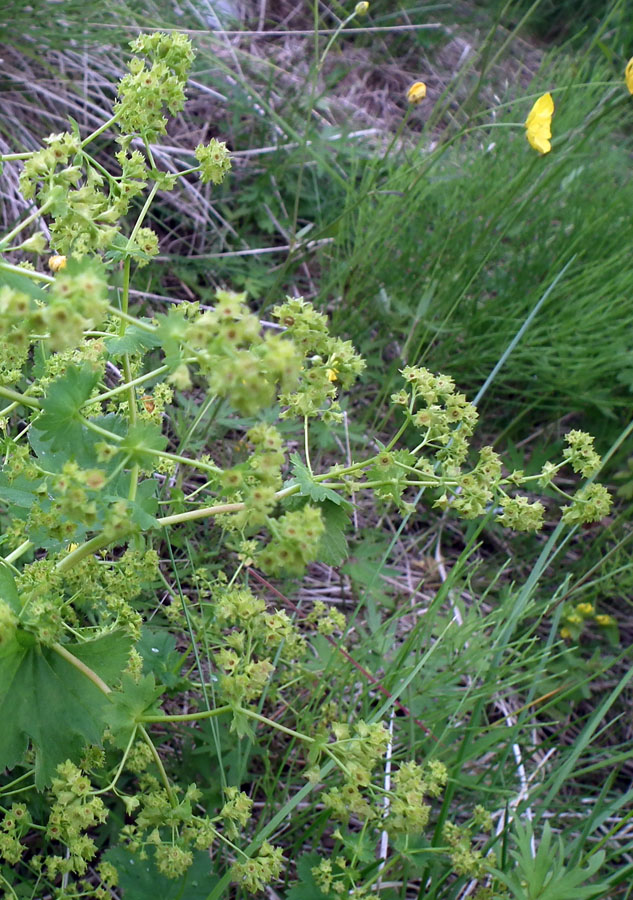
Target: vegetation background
[(333, 196)]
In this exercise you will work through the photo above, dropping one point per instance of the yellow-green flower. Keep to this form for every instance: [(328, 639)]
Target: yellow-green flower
[(56, 263), (417, 92), (539, 124), (361, 8), (628, 75)]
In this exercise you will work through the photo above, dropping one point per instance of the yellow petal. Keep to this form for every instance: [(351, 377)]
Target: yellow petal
[(542, 109), (56, 263), (538, 124), (417, 92), (628, 75)]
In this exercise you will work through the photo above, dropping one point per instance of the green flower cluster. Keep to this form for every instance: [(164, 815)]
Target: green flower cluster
[(294, 542), (358, 749), (466, 859), (408, 813), (42, 167), (14, 825), (145, 91), (77, 302), (239, 362), (589, 504), (215, 161), (329, 362), (444, 417), (244, 637), (51, 601), (256, 480), (580, 453), (255, 873), (74, 811), (17, 316)]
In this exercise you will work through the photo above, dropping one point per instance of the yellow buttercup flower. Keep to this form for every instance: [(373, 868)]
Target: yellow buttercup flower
[(628, 75), (56, 263), (539, 124), (585, 609), (417, 92)]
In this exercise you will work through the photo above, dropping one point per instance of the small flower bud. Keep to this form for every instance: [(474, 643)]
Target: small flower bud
[(361, 8), (417, 92), (56, 263), (35, 244)]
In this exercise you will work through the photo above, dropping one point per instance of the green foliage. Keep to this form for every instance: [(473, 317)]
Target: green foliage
[(60, 424), (545, 875), (51, 703), (149, 692)]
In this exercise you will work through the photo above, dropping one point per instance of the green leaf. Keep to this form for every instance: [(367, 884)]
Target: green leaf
[(60, 423), (140, 438), (84, 452), (171, 331), (308, 487), (546, 875), (45, 699), (8, 590), (128, 704), (157, 646), (22, 495), (333, 547), (132, 341), (142, 510), (140, 880)]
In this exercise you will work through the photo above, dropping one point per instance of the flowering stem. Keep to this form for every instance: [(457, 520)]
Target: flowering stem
[(22, 399), (306, 444), (26, 273), (328, 46), (120, 314), (187, 717), (117, 774), (22, 225), (18, 552), (159, 765), (271, 722), (155, 373), (10, 157), (79, 553), (141, 216), (100, 130), (185, 460)]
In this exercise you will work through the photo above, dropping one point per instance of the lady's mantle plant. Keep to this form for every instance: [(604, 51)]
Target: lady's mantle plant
[(92, 483)]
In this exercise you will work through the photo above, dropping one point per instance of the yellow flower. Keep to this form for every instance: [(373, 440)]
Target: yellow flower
[(539, 124), (605, 620), (332, 374), (56, 263), (565, 633), (361, 8), (585, 609), (417, 92), (628, 75)]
